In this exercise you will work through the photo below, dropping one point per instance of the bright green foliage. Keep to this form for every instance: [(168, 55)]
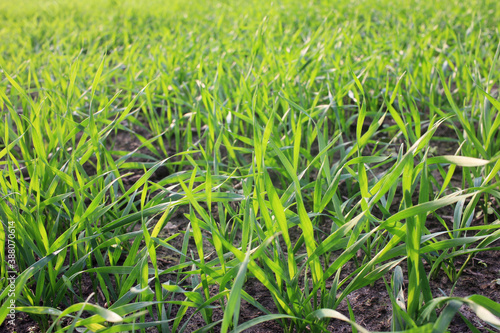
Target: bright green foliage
[(293, 137)]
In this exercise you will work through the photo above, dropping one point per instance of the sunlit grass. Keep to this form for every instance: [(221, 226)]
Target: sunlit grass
[(259, 123)]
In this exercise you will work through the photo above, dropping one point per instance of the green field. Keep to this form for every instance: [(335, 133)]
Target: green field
[(221, 166)]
